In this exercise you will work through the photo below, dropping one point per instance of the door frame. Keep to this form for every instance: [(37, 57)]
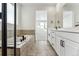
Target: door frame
[(14, 29), (4, 29)]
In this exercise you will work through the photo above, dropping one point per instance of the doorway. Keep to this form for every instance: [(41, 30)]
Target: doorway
[(41, 25)]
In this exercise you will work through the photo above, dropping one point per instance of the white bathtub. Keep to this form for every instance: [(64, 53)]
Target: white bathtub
[(10, 41), (22, 48)]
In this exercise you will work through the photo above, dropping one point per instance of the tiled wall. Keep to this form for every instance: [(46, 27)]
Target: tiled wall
[(25, 32), (10, 33)]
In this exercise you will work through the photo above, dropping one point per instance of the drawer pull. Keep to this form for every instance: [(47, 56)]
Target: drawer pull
[(62, 43)]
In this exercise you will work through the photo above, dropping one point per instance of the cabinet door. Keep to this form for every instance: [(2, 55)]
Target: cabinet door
[(57, 45), (49, 36), (62, 47), (71, 48), (53, 39)]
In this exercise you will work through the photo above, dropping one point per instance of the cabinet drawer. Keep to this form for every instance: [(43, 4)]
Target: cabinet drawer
[(71, 48), (70, 36)]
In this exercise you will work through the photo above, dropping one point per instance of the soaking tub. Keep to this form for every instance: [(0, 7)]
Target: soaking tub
[(22, 46)]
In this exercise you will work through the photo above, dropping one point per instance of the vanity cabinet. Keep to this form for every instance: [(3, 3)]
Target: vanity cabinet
[(60, 45), (71, 48), (67, 45), (64, 43), (51, 38), (57, 45)]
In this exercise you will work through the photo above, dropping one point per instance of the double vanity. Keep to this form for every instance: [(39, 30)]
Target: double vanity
[(65, 38), (64, 41)]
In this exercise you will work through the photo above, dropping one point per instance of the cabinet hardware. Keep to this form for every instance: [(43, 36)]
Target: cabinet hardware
[(62, 43), (52, 37), (49, 34), (52, 32)]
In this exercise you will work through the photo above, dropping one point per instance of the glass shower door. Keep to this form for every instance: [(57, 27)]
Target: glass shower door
[(7, 29), (10, 29)]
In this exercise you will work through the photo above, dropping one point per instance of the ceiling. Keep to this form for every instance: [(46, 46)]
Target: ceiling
[(38, 4)]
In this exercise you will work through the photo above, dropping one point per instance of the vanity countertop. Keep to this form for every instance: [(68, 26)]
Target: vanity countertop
[(69, 30)]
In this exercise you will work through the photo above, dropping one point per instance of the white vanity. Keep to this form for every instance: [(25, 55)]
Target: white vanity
[(65, 42)]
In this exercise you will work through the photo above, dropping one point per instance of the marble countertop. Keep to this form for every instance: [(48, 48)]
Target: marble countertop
[(70, 30)]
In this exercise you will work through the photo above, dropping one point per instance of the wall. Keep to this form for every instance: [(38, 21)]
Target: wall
[(26, 18), (28, 15), (51, 19), (59, 15), (18, 16)]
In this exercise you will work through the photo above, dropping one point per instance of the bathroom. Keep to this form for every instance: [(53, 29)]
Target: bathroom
[(40, 29)]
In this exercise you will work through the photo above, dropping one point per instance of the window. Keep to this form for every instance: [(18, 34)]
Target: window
[(41, 19), (10, 13)]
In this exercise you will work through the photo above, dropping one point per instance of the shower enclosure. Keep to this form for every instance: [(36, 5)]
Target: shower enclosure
[(7, 29)]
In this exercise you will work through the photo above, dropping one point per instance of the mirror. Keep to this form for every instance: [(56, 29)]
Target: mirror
[(70, 15)]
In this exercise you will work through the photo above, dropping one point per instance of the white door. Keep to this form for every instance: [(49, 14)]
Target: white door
[(41, 25), (71, 48)]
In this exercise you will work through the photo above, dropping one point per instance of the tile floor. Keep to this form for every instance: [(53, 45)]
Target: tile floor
[(41, 48)]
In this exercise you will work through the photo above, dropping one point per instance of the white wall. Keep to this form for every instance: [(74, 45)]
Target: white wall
[(27, 21), (51, 16), (28, 17), (18, 14), (59, 15)]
